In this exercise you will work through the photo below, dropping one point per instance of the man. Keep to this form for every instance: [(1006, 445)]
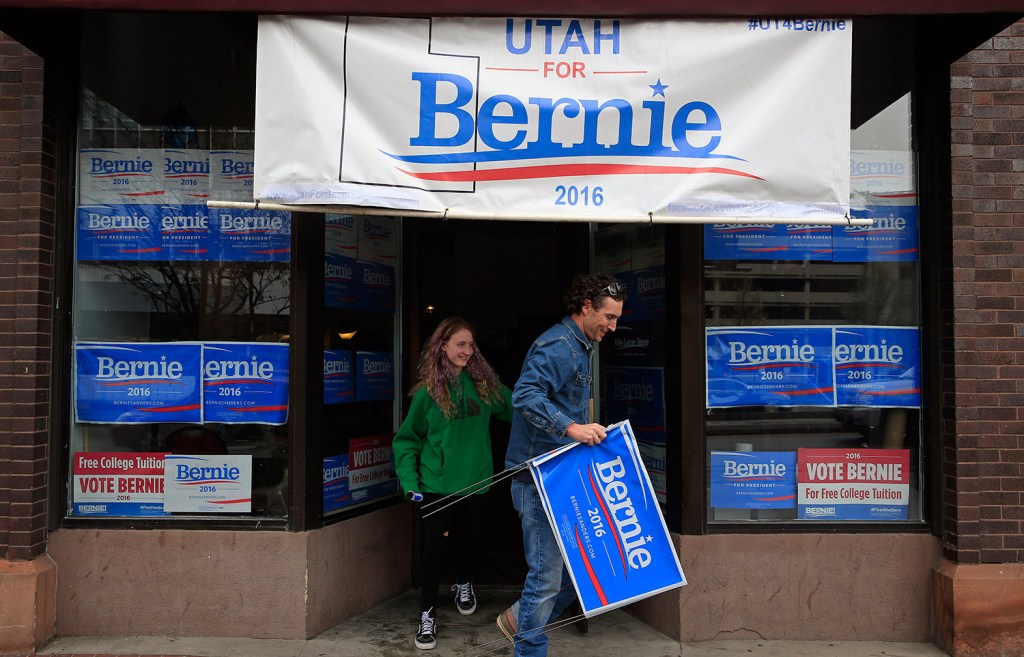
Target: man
[(552, 400)]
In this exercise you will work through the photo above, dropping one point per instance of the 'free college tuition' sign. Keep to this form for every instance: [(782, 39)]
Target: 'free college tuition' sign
[(563, 117)]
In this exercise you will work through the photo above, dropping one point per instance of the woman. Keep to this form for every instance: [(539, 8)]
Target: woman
[(443, 448)]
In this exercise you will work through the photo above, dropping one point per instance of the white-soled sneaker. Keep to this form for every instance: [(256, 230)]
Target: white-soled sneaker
[(465, 599), (426, 635), (508, 624)]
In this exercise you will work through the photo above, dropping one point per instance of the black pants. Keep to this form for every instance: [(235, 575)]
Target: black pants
[(455, 532)]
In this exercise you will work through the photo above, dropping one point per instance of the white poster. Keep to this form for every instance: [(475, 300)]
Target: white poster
[(565, 118), (207, 484)]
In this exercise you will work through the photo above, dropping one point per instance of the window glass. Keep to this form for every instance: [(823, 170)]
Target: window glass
[(813, 403), (632, 359), (360, 364), (181, 315)]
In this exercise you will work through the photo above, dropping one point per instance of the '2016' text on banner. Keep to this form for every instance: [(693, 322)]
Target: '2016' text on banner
[(556, 117), (606, 519)]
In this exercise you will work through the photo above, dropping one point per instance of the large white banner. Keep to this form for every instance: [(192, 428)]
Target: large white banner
[(558, 117)]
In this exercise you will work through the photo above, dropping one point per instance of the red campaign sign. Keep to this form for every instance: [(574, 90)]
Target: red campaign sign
[(371, 468), (829, 466), (853, 484), (118, 483), (118, 463)]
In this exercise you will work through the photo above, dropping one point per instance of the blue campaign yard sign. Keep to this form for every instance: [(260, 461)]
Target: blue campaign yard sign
[(340, 281), (606, 519), (250, 235), (878, 366), (245, 382), (339, 379), (375, 379), (769, 366), (753, 480), (138, 382), (184, 232), (892, 237), (118, 232), (639, 393), (767, 242)]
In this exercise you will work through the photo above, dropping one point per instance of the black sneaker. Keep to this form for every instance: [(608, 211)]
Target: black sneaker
[(465, 600), (425, 637)]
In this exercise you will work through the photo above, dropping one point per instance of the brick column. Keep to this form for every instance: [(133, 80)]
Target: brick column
[(979, 586), (27, 184)]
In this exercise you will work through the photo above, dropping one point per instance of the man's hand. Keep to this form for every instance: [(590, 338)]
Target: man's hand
[(588, 434)]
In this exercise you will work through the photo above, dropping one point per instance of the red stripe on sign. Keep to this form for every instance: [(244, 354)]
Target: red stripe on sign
[(566, 170), (590, 570)]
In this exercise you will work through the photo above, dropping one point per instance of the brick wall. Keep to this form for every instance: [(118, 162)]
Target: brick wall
[(27, 183), (983, 454)]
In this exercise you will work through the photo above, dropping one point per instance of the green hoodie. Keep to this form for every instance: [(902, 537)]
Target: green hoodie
[(436, 455)]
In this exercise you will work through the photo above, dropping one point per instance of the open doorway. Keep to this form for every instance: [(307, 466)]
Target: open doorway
[(507, 279)]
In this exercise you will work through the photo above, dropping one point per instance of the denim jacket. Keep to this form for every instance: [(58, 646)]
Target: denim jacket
[(552, 392)]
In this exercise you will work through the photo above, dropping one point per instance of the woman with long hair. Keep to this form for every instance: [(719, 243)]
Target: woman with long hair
[(442, 448)]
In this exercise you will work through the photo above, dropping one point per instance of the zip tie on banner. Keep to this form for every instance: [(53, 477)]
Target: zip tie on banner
[(493, 479), (849, 221), (650, 216)]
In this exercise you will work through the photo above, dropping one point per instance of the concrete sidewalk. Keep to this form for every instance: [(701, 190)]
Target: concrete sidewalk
[(387, 631)]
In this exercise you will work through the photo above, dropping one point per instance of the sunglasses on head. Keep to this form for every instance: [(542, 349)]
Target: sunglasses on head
[(616, 290)]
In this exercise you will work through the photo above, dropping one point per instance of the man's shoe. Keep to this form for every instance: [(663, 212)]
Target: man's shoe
[(465, 600), (508, 624), (425, 635)]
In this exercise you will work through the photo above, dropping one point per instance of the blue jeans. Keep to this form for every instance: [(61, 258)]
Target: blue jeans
[(548, 589)]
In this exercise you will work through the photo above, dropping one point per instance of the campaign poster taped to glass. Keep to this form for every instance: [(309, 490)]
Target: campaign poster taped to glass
[(208, 484), (231, 175), (243, 235), (566, 117), (339, 379), (853, 484), (340, 283), (646, 289), (118, 232), (878, 366), (892, 236), (186, 175), (607, 521), (245, 382), (121, 175), (117, 484), (770, 366), (376, 287), (371, 468), (875, 366), (753, 480), (375, 376), (639, 394), (138, 382), (336, 494), (184, 232), (767, 242)]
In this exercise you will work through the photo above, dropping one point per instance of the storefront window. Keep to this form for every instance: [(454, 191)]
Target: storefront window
[(632, 359), (181, 317), (360, 364), (813, 384)]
